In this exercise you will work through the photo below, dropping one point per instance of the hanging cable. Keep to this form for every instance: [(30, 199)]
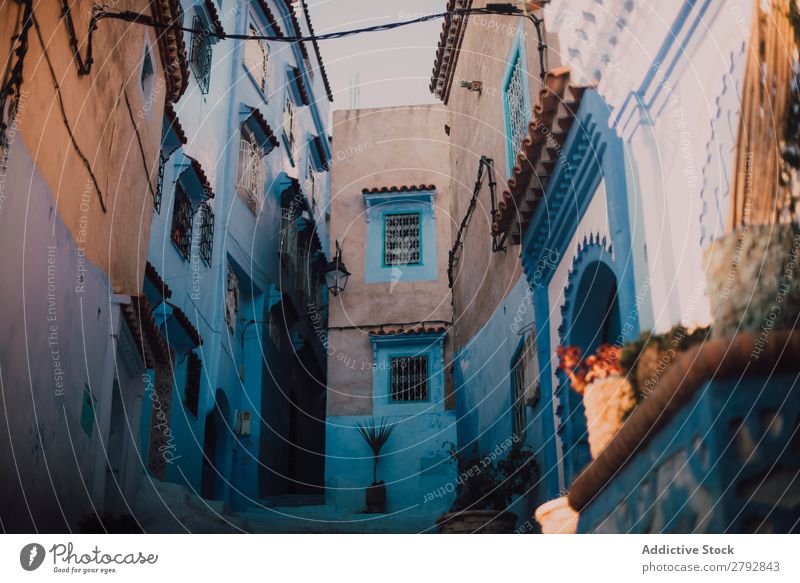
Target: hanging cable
[(486, 165), (100, 13)]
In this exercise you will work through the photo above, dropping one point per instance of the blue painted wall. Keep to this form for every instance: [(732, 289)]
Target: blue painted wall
[(240, 371), (484, 390)]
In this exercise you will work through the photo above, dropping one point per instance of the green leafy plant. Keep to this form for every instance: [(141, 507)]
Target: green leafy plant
[(376, 436), (490, 481), (644, 360)]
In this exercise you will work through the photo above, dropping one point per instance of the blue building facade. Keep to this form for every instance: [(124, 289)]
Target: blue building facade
[(237, 250)]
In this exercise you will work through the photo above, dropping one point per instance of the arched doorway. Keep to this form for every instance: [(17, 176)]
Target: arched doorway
[(216, 449), (592, 318)]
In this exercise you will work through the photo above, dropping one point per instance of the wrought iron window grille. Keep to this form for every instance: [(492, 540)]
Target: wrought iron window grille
[(182, 213), (409, 378), (401, 240), (201, 54), (206, 233)]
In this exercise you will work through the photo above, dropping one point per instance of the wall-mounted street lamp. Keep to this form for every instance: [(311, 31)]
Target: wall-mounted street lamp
[(336, 273)]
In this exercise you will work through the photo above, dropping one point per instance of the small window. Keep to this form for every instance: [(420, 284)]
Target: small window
[(191, 395), (251, 170), (288, 128), (517, 114), (231, 300), (311, 183), (201, 54), (401, 240), (182, 221), (87, 411), (409, 378), (147, 72), (256, 58), (525, 382), (206, 233)]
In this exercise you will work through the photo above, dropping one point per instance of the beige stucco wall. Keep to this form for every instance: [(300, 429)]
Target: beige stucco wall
[(477, 128), (375, 148), (104, 126)]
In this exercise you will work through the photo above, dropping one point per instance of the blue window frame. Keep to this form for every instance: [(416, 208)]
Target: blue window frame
[(407, 374), (516, 98), (401, 237)]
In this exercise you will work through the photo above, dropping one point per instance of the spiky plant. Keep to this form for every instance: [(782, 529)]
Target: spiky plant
[(376, 436)]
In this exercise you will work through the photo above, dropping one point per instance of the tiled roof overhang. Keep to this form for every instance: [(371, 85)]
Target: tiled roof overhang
[(715, 359), (158, 282), (409, 330), (297, 79), (173, 124), (317, 52), (270, 16), (185, 323), (171, 47), (213, 15), (547, 132), (200, 175), (148, 338), (267, 137), (450, 39), (403, 188)]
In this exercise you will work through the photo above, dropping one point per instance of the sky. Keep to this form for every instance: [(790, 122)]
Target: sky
[(394, 67)]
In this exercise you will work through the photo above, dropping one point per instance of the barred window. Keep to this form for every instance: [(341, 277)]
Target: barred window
[(401, 239), (525, 379), (515, 106), (251, 171), (206, 233), (201, 54), (191, 394), (158, 193), (256, 58), (182, 221), (409, 378), (288, 128)]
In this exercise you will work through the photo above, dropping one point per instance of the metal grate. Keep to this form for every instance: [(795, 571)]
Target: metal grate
[(251, 171), (515, 102), (158, 194), (191, 395), (181, 233), (201, 54), (409, 378), (206, 233), (401, 240)]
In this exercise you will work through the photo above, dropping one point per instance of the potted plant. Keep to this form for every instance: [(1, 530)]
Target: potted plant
[(376, 437), (485, 487), (608, 396)]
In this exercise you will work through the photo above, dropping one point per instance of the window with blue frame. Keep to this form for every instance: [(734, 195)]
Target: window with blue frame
[(516, 98), (401, 235), (408, 373), (201, 53)]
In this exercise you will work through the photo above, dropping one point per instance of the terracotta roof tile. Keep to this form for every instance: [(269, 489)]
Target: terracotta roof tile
[(403, 188), (273, 22), (174, 123), (172, 48), (297, 78), (259, 118), (296, 26), (447, 52), (181, 317), (547, 131), (317, 51), (213, 14), (197, 168), (148, 338), (152, 274), (409, 329)]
